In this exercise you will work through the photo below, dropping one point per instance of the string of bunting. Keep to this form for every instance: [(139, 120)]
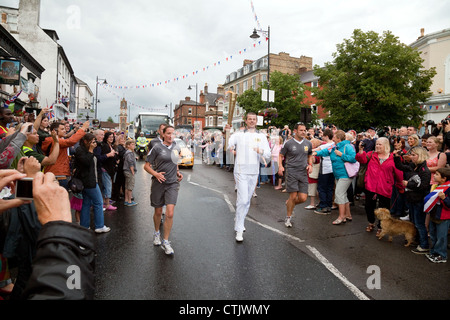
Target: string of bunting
[(206, 68), (437, 107), (257, 21), (130, 103)]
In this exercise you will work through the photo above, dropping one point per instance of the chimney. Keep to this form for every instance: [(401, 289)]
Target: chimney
[(29, 13), (206, 88), (202, 97), (422, 32), (187, 99), (220, 90)]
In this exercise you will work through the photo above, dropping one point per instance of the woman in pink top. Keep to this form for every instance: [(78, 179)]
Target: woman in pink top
[(436, 159), (381, 176)]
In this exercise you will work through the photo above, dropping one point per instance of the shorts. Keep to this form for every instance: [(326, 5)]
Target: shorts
[(340, 192), (107, 185), (163, 194), (129, 180), (296, 181), (312, 189)]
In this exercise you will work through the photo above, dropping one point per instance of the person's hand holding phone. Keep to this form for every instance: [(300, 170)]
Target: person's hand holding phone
[(50, 199), (8, 177)]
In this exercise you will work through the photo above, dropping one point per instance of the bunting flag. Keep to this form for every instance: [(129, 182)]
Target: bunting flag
[(9, 102)]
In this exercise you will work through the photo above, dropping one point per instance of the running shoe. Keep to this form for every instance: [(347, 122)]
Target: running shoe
[(420, 250), (239, 236), (103, 229), (287, 222), (166, 247), (437, 259), (157, 239), (322, 211)]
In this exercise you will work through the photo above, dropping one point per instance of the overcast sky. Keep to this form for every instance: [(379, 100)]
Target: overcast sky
[(144, 42)]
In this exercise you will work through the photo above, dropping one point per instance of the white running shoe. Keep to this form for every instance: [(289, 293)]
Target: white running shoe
[(103, 229), (166, 247), (287, 222), (254, 194), (157, 239), (239, 236)]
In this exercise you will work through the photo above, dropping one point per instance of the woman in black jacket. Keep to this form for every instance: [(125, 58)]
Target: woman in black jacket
[(108, 168), (86, 170), (417, 178)]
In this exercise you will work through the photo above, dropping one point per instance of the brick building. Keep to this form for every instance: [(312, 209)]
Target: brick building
[(254, 72), (187, 112), (310, 80)]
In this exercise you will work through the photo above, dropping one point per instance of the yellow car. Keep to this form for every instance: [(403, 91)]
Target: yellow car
[(186, 155)]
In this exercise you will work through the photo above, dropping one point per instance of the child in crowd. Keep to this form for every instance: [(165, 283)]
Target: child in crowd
[(129, 170), (439, 216)]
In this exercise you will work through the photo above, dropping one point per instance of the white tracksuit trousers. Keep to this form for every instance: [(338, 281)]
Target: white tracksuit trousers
[(245, 184)]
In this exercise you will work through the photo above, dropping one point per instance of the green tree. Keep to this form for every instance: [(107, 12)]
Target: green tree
[(110, 119), (373, 81), (289, 96)]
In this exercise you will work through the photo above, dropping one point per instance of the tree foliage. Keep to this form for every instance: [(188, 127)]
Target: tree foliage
[(374, 81), (289, 96)]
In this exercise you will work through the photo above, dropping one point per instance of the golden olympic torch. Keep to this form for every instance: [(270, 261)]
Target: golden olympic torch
[(232, 98)]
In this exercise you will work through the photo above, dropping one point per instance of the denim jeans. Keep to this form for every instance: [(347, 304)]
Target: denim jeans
[(418, 218), (325, 188), (398, 206), (92, 198), (107, 184), (438, 235)]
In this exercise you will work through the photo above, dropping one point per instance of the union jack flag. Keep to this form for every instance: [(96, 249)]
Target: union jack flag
[(8, 102), (432, 198)]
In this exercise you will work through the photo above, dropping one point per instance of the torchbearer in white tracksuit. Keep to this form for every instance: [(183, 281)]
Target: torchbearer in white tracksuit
[(249, 147)]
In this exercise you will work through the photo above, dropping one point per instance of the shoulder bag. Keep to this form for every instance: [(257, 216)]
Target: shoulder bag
[(352, 168)]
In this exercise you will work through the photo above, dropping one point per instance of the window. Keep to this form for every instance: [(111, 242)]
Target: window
[(254, 83), (220, 106), (245, 87), (189, 111), (219, 121)]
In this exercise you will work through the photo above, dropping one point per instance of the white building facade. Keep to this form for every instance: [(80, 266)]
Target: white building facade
[(434, 49)]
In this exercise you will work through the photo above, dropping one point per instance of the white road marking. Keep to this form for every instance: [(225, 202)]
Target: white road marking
[(358, 293)]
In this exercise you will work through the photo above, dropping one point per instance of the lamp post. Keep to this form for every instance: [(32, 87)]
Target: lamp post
[(170, 114), (196, 102), (255, 36), (96, 94)]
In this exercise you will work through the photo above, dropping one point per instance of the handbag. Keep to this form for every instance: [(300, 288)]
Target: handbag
[(362, 173), (75, 184), (315, 171), (351, 168)]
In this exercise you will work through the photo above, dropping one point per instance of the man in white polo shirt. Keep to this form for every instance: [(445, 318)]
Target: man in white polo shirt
[(248, 146)]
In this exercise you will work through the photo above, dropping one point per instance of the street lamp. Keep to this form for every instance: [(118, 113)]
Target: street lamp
[(196, 103), (96, 94), (170, 114), (255, 36)]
